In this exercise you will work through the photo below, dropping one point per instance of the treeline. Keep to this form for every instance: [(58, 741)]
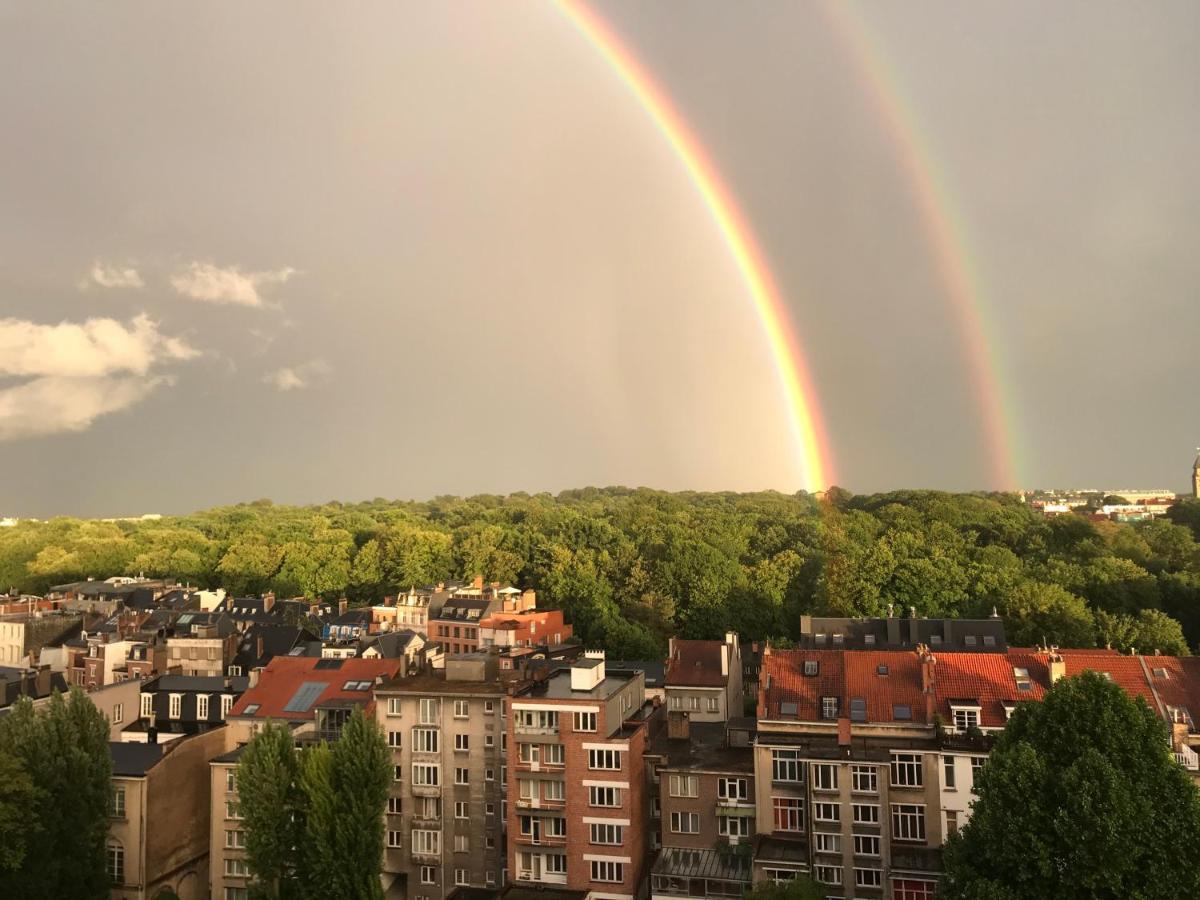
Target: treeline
[(631, 567)]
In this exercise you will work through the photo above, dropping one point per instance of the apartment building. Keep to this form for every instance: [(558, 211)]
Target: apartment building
[(159, 817), (187, 704), (577, 790), (529, 628), (705, 808), (704, 678), (903, 633), (445, 815), (202, 644), (456, 621), (314, 697)]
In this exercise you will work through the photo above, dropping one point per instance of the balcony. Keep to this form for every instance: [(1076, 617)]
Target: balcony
[(700, 873), (1188, 758), (542, 877), (426, 857), (540, 803), (426, 790), (518, 728)]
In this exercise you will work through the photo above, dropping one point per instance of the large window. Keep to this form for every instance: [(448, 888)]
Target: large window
[(604, 796), (824, 842), (685, 822), (430, 712), (426, 842), (684, 786), (908, 822), (733, 789), (553, 754), (865, 814), (115, 862), (865, 779), (604, 759), (735, 826), (786, 766), (824, 777), (866, 845), (235, 838), (826, 812), (536, 720), (906, 770), (585, 721), (789, 813), (872, 878), (603, 870), (426, 774), (425, 740), (602, 833), (909, 889), (828, 874)]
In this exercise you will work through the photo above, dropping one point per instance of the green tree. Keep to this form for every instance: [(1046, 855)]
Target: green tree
[(63, 750), (1036, 613), (361, 766), (16, 802), (1080, 798), (269, 801), (799, 888)]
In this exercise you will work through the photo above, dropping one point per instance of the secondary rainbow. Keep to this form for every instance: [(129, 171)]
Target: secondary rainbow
[(816, 469), (946, 233)]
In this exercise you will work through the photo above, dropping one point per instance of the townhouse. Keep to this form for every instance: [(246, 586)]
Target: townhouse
[(704, 678), (577, 788), (445, 813)]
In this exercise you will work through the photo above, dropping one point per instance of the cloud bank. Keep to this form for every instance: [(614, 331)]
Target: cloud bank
[(113, 277), (294, 378), (230, 285), (54, 405)]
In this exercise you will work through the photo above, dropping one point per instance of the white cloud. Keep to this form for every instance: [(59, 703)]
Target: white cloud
[(230, 285), (54, 404), (294, 378), (94, 348), (112, 277)]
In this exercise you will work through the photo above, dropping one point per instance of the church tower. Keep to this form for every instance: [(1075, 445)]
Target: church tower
[(1196, 475)]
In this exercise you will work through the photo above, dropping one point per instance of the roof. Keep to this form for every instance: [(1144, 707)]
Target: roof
[(277, 640), (201, 684), (890, 682), (437, 683), (291, 687), (895, 633), (705, 749), (991, 679), (133, 760), (558, 686), (464, 608), (695, 664), (784, 683), (687, 863), (392, 644), (654, 670)]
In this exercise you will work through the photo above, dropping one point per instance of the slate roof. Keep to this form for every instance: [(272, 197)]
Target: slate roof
[(277, 640), (391, 644), (132, 760)]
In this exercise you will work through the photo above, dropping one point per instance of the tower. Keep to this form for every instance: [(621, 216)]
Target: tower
[(1196, 475)]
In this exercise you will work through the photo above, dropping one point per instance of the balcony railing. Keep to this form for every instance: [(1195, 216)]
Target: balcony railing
[(426, 790), (1188, 758), (543, 840)]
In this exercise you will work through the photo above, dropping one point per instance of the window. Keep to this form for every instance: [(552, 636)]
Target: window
[(828, 874), (202, 706), (866, 845), (906, 770), (426, 842), (858, 709), (585, 721), (789, 813), (601, 796), (824, 777), (714, 704), (1021, 677), (811, 667), (226, 705), (685, 822), (603, 834), (230, 780), (951, 822), (865, 779), (604, 759), (235, 838), (428, 875), (826, 812), (489, 774), (231, 810), (865, 814), (881, 669), (489, 706), (553, 754), (147, 706), (829, 707), (901, 713), (489, 741), (176, 707), (966, 717), (780, 876), (977, 763), (429, 808), (462, 776), (462, 843), (785, 765), (115, 862), (462, 743), (461, 810), (395, 839), (395, 739), (425, 740), (426, 774), (733, 789), (236, 868), (603, 870), (907, 889), (556, 790), (118, 713), (395, 706), (117, 805), (395, 805), (430, 711), (684, 786), (462, 709), (460, 876), (237, 893), (542, 720), (868, 877), (908, 822), (827, 843), (948, 772)]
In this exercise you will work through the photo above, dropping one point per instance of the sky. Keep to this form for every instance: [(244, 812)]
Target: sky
[(288, 250)]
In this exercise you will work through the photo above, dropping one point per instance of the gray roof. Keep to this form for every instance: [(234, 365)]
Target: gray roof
[(134, 759), (204, 684)]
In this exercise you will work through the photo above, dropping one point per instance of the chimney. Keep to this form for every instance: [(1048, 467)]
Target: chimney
[(928, 680), (1056, 664), (151, 735), (678, 725), (343, 604), (478, 583), (268, 601), (724, 660), (671, 648), (260, 649)]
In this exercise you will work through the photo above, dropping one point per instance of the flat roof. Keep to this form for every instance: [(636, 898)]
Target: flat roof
[(558, 687)]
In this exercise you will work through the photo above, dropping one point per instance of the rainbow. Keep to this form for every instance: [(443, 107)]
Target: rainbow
[(946, 233), (808, 431)]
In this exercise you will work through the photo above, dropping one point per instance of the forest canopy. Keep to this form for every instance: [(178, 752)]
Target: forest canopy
[(631, 567)]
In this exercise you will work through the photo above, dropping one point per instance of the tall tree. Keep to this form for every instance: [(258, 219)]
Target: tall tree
[(17, 799), (63, 750), (269, 801), (1080, 800), (361, 766)]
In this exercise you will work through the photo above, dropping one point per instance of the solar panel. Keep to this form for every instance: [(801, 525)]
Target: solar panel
[(306, 695)]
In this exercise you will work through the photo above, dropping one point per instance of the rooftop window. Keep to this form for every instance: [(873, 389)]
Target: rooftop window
[(902, 713), (252, 709), (989, 640), (935, 639), (970, 640), (789, 709), (881, 670), (811, 667), (1161, 673), (869, 640), (858, 709)]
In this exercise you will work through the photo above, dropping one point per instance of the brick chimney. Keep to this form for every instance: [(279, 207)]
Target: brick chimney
[(478, 583), (1056, 664), (268, 601), (928, 680)]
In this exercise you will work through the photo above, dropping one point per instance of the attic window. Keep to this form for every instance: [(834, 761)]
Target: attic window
[(970, 640), (858, 709), (935, 639), (251, 709), (829, 707), (811, 667), (881, 670), (989, 640), (1161, 673), (789, 709), (869, 640), (819, 638), (902, 713), (1022, 678), (839, 639)]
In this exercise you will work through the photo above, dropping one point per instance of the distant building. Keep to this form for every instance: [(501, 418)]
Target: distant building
[(704, 678), (1196, 476), (894, 633)]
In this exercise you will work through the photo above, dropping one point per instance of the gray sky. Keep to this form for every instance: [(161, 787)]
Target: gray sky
[(286, 250)]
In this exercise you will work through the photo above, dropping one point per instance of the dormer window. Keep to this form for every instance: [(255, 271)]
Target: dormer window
[(935, 640), (829, 707), (881, 670), (858, 709), (819, 639), (869, 640), (902, 713), (965, 717), (839, 640), (1021, 676), (811, 667), (970, 640), (989, 640)]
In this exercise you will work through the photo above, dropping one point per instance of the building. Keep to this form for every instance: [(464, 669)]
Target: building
[(704, 678), (406, 645), (23, 634), (177, 705), (313, 697), (202, 644), (529, 628), (577, 790), (445, 816), (456, 622), (159, 817), (895, 633)]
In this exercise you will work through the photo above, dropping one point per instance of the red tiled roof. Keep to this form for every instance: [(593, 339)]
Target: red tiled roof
[(988, 679), (284, 676), (782, 680), (695, 664), (1124, 671), (901, 686)]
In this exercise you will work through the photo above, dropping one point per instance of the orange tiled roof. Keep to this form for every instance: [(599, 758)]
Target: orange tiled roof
[(901, 686), (695, 664), (782, 680), (988, 679), (285, 678)]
